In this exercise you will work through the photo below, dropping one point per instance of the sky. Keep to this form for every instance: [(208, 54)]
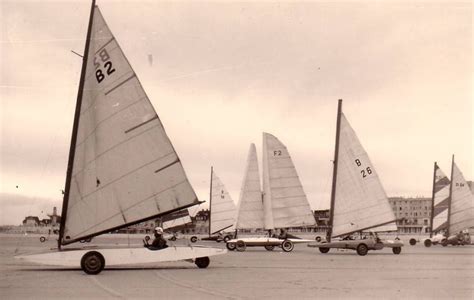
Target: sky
[(219, 74)]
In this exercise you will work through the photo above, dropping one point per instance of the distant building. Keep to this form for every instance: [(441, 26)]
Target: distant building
[(322, 219), (413, 214), (31, 221)]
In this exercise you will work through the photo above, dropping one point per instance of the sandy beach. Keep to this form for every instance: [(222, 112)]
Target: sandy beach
[(418, 272)]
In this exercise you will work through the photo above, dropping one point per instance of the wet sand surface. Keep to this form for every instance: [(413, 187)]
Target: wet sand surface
[(417, 273)]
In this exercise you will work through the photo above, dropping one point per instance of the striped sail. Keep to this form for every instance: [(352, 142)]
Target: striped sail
[(176, 219), (461, 212), (223, 210), (250, 207), (360, 200), (285, 203), (125, 169), (440, 201)]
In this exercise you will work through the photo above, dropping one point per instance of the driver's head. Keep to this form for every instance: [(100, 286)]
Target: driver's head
[(158, 230)]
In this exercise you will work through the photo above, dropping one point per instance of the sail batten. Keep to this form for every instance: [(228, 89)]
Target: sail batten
[(124, 168), (360, 202)]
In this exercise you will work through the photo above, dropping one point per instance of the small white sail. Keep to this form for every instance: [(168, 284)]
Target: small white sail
[(360, 200), (285, 203), (176, 219), (461, 212), (439, 217), (223, 210), (125, 168), (250, 207)]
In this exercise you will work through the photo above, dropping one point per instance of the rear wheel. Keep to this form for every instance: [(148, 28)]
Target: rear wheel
[(427, 243), (42, 239), (240, 246), (413, 242), (323, 249), (397, 250), (202, 262), (92, 263), (269, 247), (362, 249), (193, 239), (287, 246), (230, 246)]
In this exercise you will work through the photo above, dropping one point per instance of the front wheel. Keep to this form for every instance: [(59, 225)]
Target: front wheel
[(42, 239), (269, 247), (230, 246), (323, 249), (227, 238), (318, 239), (428, 243), (240, 246), (193, 239), (362, 249), (202, 262), (397, 250), (413, 242), (92, 263), (287, 246)]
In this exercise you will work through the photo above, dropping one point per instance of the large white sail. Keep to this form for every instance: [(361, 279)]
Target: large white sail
[(250, 206), (461, 212), (125, 168), (285, 203), (360, 200), (440, 201), (223, 210)]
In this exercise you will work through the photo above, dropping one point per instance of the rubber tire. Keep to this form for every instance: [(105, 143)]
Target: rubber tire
[(324, 249), (444, 243), (230, 246), (397, 250), (269, 247), (318, 239), (240, 246), (362, 249), (413, 242), (42, 239), (202, 262), (193, 239), (227, 238), (92, 263), (427, 243), (287, 246)]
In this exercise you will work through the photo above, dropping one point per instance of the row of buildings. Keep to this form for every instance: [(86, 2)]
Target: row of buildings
[(414, 215)]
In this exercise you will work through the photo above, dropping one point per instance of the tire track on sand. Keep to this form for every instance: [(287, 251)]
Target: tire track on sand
[(110, 291), (166, 276)]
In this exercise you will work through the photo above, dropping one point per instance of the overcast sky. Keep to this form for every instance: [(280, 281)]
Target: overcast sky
[(219, 74)]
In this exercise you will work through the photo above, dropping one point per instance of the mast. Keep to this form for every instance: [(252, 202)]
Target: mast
[(334, 173), (210, 201), (450, 198), (433, 200), (75, 128)]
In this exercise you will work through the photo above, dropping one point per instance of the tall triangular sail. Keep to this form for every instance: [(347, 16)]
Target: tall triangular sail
[(285, 203), (360, 201), (461, 211), (250, 206), (223, 210), (440, 201), (125, 169)]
